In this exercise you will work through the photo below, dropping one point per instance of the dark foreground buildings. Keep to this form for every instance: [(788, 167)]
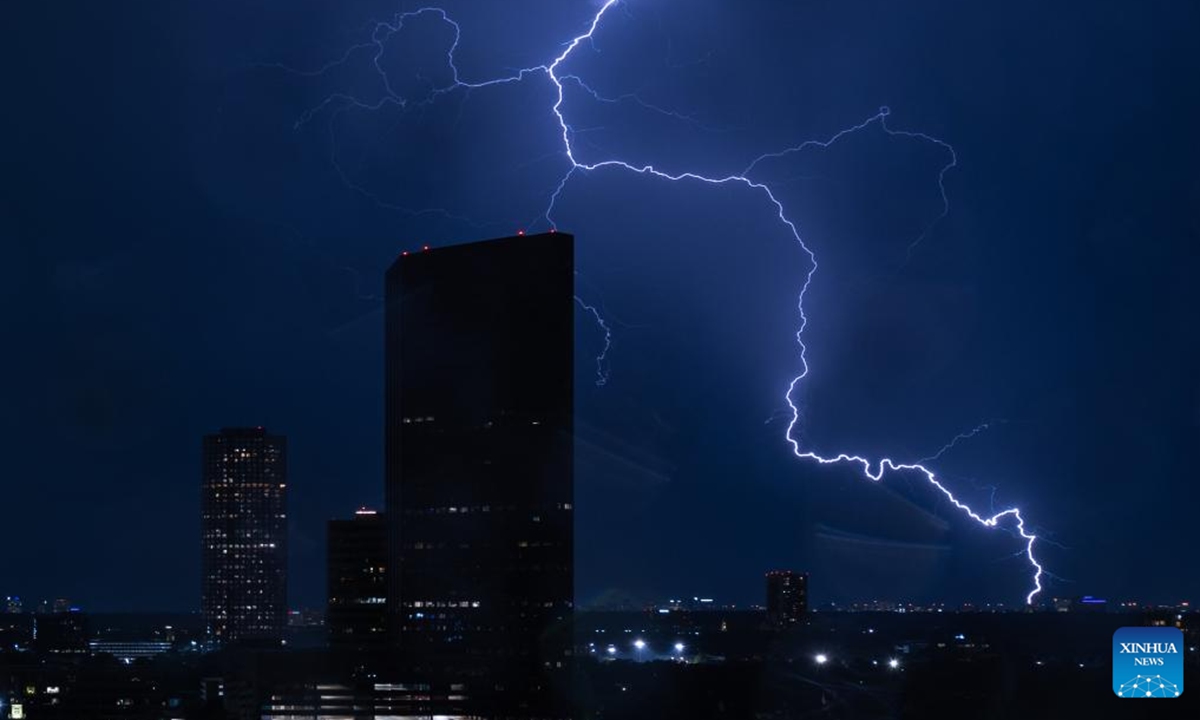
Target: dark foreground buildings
[(1027, 665), (479, 373), (244, 535)]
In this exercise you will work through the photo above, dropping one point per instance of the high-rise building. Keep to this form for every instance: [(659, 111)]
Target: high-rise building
[(479, 449), (787, 597), (357, 614), (244, 535)]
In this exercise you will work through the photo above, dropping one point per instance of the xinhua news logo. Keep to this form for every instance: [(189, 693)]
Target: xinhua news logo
[(1148, 662)]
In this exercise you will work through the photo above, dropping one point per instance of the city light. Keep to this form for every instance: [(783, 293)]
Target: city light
[(821, 658), (893, 663), (640, 644), (678, 647)]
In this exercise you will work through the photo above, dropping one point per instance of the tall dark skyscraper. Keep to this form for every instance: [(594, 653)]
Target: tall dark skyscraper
[(357, 613), (244, 534), (479, 376), (787, 597)]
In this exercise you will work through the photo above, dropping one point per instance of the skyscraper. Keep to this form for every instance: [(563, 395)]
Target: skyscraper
[(244, 534), (357, 613), (479, 382), (787, 597)]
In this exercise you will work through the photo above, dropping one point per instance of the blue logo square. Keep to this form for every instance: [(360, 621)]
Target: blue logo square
[(1148, 662)]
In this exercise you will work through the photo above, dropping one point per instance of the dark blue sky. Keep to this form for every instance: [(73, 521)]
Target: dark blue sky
[(181, 256)]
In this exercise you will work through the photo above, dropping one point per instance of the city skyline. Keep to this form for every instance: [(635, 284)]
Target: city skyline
[(217, 259), (587, 359)]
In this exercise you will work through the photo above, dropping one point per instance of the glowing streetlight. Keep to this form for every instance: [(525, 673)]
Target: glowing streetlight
[(640, 644), (678, 647), (893, 663), (821, 658)]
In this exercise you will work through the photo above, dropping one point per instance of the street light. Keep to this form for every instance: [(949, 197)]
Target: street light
[(640, 644), (678, 647), (893, 663), (821, 658)]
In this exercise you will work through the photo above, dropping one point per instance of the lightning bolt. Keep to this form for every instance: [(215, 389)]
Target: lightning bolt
[(636, 99), (959, 438), (602, 358), (873, 470)]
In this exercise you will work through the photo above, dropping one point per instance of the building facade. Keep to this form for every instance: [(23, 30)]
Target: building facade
[(244, 535), (357, 578), (479, 451), (787, 597)]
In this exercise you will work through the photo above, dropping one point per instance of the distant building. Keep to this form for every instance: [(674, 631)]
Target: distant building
[(1165, 617), (479, 376), (357, 613), (1080, 604), (12, 604), (58, 605), (129, 650), (787, 597), (694, 603), (306, 618), (65, 632), (16, 629), (244, 535)]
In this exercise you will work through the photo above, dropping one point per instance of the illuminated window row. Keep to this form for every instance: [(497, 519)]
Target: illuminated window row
[(443, 603), (468, 509)]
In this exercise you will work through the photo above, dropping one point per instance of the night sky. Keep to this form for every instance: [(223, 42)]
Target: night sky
[(185, 249)]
